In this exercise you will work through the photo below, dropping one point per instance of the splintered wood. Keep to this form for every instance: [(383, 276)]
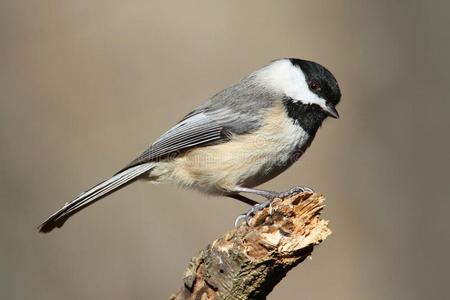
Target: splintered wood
[(248, 261)]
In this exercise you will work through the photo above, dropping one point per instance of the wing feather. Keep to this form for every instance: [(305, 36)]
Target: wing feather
[(194, 130)]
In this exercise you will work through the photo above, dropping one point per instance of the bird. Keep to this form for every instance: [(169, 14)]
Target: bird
[(241, 137)]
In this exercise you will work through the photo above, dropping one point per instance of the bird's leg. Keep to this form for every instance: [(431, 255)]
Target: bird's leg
[(243, 199), (262, 193), (269, 195)]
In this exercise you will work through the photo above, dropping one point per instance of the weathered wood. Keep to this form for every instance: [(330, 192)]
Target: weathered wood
[(248, 261)]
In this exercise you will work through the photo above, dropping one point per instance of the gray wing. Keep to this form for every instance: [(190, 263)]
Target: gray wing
[(196, 129), (235, 110)]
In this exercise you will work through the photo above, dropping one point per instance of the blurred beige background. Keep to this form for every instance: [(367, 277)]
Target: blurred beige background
[(85, 86)]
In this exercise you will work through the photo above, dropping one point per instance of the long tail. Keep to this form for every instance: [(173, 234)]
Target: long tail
[(94, 194)]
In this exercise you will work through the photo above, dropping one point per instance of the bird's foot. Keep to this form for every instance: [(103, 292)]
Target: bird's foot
[(252, 211), (260, 206), (293, 191)]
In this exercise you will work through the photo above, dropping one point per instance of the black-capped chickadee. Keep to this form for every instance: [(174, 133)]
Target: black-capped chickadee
[(240, 138)]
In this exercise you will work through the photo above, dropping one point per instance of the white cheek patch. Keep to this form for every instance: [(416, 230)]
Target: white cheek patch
[(289, 80)]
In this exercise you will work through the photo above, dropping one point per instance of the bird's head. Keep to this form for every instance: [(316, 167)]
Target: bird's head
[(306, 86)]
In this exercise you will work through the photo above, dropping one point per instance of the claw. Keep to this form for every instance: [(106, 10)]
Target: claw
[(295, 190), (239, 220), (308, 190), (251, 212)]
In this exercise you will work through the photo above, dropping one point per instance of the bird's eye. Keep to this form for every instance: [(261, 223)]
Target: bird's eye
[(314, 86)]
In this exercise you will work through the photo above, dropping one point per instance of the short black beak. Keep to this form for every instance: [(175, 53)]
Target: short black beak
[(332, 112)]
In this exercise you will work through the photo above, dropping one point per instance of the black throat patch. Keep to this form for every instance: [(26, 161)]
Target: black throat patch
[(308, 116)]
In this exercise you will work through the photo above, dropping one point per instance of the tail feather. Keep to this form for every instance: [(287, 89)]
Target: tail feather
[(92, 195)]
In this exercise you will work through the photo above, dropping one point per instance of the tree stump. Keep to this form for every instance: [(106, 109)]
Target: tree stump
[(248, 261)]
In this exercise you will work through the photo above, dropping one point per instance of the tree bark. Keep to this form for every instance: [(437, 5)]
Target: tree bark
[(248, 261)]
